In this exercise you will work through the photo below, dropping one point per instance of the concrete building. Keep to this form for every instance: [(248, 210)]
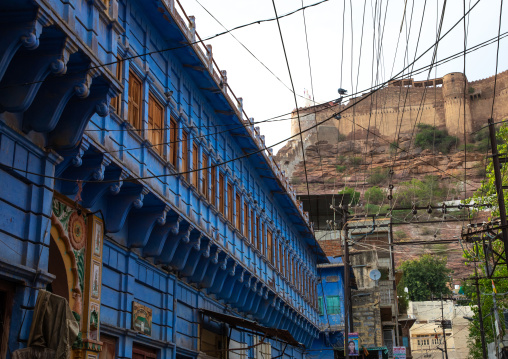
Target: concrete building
[(119, 194), (427, 333)]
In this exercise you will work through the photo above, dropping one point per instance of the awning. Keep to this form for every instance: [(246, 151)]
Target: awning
[(239, 322)]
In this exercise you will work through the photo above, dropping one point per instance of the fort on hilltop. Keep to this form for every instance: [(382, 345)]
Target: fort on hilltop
[(392, 112)]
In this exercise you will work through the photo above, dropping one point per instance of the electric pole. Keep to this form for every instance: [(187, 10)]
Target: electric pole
[(443, 325), (348, 323), (499, 185), (479, 304), (392, 263)]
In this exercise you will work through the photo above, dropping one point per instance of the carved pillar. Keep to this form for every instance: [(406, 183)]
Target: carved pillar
[(92, 296)]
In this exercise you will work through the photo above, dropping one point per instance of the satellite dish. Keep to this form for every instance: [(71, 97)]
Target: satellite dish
[(375, 274)]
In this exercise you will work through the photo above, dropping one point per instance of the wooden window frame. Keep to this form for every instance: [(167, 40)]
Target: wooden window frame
[(269, 246), (230, 208), (222, 199), (257, 234), (238, 204), (146, 352), (213, 184), (185, 155), (246, 219), (205, 191), (117, 101), (252, 235), (109, 341), (173, 141), (155, 124), (195, 165), (281, 257), (135, 107)]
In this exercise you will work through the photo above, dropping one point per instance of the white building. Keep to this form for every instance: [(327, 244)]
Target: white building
[(427, 333)]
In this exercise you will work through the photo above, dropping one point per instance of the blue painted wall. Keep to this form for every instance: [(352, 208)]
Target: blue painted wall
[(58, 127), (331, 336)]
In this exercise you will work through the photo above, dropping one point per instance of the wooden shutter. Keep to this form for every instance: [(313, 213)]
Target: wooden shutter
[(116, 101), (252, 228), (269, 246), (204, 177), (256, 235), (195, 165), (173, 138), (213, 179), (185, 155), (238, 212), (108, 348), (222, 202), (246, 219), (135, 98), (230, 202), (155, 114)]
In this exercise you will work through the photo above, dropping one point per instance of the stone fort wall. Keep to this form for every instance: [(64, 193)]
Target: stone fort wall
[(400, 105)]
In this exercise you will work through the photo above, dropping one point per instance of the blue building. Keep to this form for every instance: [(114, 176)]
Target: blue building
[(330, 343), (134, 186)]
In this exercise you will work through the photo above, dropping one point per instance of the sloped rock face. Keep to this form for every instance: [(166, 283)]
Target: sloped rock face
[(364, 163)]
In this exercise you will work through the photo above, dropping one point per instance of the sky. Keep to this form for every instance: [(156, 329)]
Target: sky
[(351, 44)]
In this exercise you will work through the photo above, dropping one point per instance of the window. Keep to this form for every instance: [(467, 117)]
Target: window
[(155, 114), (142, 352), (262, 351), (221, 196), (108, 347), (195, 165), (269, 246), (246, 220), (236, 354), (230, 202), (204, 175), (238, 212), (280, 257), (320, 306), (135, 98), (116, 102), (213, 179), (333, 304), (261, 238), (173, 138), (293, 271), (257, 234), (185, 155), (252, 228)]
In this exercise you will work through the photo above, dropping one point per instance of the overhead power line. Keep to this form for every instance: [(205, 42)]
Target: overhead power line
[(265, 148)]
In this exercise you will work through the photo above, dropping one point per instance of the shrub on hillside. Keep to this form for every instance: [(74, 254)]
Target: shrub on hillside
[(374, 195), (429, 137), (354, 196), (378, 176)]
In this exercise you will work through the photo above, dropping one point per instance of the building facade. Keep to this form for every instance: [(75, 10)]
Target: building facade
[(427, 333), (134, 186), (330, 343)]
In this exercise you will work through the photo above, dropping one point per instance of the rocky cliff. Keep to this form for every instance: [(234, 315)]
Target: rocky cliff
[(406, 132)]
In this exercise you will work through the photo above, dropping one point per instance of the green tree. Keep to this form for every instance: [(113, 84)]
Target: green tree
[(486, 299), (486, 194), (425, 277), (374, 195), (353, 195)]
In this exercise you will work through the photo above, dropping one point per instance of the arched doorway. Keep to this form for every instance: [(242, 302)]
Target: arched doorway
[(56, 266)]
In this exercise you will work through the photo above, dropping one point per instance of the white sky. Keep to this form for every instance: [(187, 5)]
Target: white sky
[(265, 97)]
